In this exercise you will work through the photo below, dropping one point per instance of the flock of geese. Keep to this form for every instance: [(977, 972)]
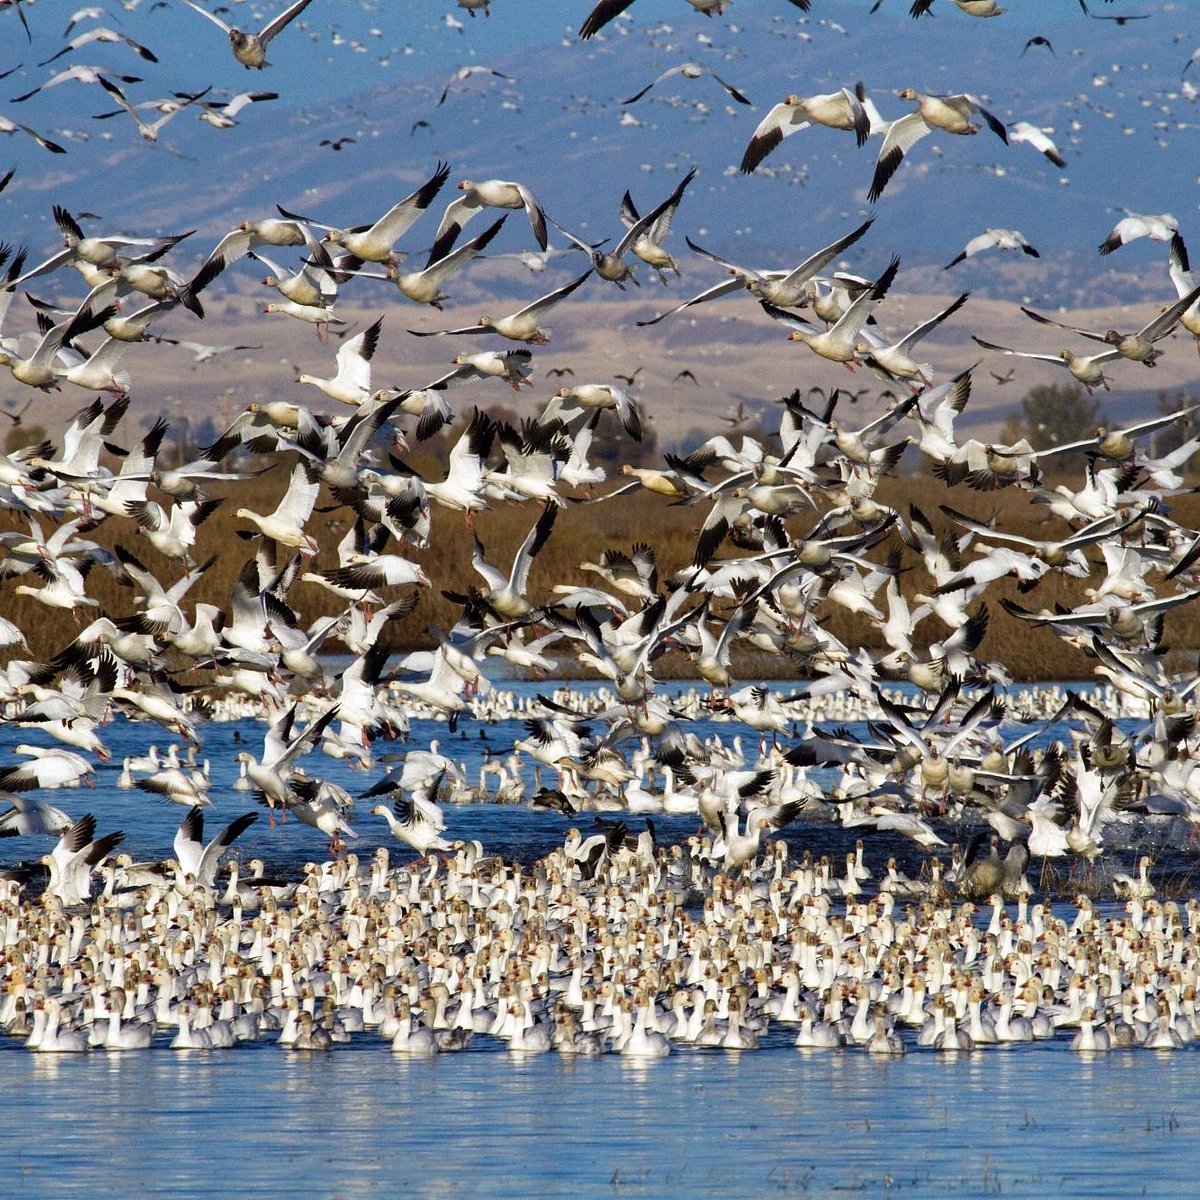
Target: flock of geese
[(612, 942)]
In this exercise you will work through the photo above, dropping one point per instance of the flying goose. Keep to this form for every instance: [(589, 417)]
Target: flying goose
[(1137, 346), (842, 109), (951, 114), (521, 326), (476, 196), (250, 49)]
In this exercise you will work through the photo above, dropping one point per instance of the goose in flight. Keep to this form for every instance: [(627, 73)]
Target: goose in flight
[(894, 361), (842, 109), (506, 593), (689, 70), (1002, 239), (374, 243), (1137, 346), (10, 126), (250, 49), (286, 524), (781, 288), (490, 193), (521, 326), (951, 114), (200, 860), (352, 383), (647, 245), (425, 286), (1160, 228), (81, 74), (1023, 131), (1185, 280), (101, 34), (611, 265), (840, 342), (1088, 369), (609, 10)]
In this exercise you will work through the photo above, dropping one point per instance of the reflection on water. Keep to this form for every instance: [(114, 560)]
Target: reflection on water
[(257, 1121), (363, 1122)]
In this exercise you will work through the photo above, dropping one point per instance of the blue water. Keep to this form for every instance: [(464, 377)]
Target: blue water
[(258, 1121)]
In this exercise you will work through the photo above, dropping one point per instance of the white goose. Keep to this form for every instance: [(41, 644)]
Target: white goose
[(352, 383), (488, 193), (521, 326)]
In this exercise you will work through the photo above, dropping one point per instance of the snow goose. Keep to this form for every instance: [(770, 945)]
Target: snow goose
[(784, 288), (1137, 346), (1023, 131), (96, 371), (54, 1038), (838, 110), (48, 767), (596, 396), (171, 532), (31, 817), (71, 861), (417, 821), (443, 689), (178, 786), (352, 383), (425, 286), (316, 281), (148, 130), (1160, 228), (322, 806), (1185, 280), (222, 114), (895, 361), (839, 343), (37, 369), (690, 70), (533, 456), (136, 1035), (97, 251), (269, 231), (312, 314), (99, 34), (1088, 369), (250, 49), (361, 572), (506, 594), (462, 489), (951, 114), (647, 245), (489, 193), (286, 524), (973, 8), (513, 366), (521, 326), (281, 749), (375, 243), (198, 859), (1002, 239), (81, 74), (610, 264)]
